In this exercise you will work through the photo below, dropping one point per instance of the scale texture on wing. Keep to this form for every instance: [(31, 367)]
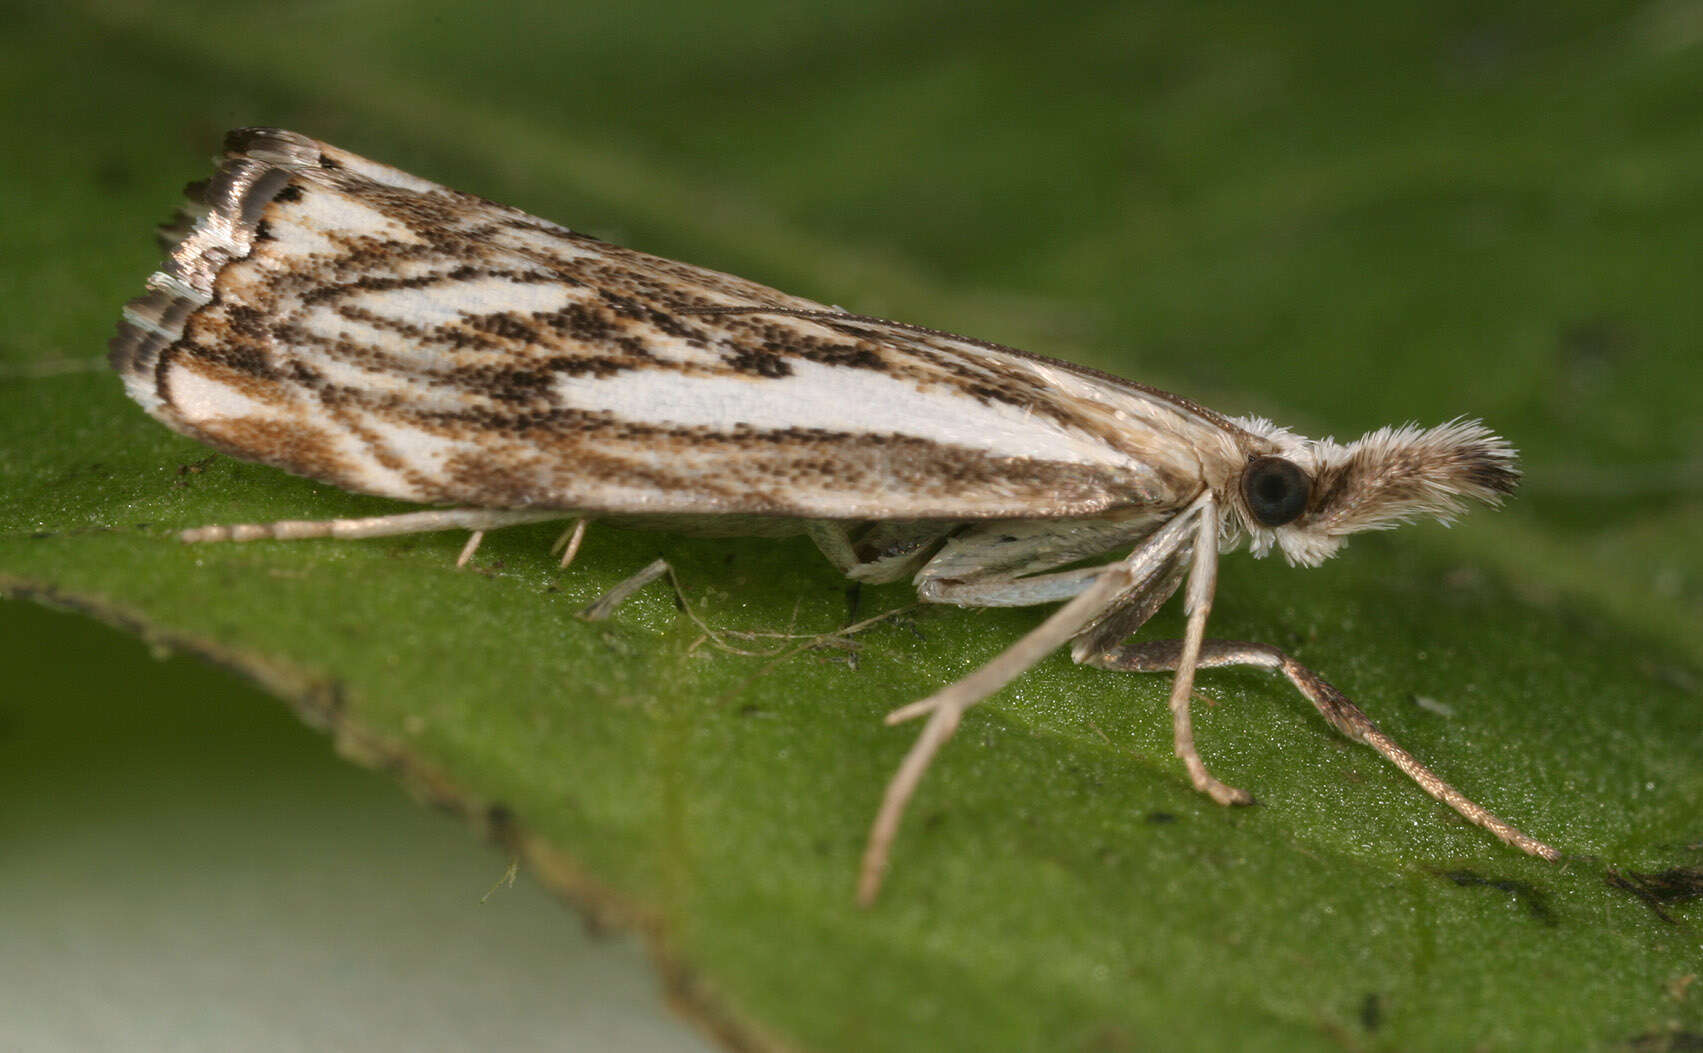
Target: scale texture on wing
[(345, 321)]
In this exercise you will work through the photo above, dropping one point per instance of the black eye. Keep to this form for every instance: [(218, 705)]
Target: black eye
[(1275, 489)]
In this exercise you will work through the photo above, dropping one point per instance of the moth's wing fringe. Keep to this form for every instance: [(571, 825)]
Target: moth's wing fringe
[(218, 223)]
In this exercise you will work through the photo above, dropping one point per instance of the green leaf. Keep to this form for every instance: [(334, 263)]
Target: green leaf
[(1341, 220)]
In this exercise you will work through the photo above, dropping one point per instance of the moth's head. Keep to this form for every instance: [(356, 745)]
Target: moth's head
[(1308, 496)]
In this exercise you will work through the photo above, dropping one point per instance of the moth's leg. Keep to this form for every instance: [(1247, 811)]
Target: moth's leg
[(1348, 718), (473, 541), (996, 551), (833, 540), (1009, 592), (1197, 604), (1202, 578), (605, 605), (570, 540), (832, 537), (892, 551), (945, 707), (882, 553), (476, 519), (1001, 565), (568, 544)]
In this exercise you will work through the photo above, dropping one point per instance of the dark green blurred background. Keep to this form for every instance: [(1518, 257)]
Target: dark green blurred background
[(1340, 216)]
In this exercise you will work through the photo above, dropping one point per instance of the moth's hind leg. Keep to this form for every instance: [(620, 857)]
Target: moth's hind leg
[(607, 604), (869, 553), (1163, 655), (475, 519), (567, 543), (877, 553)]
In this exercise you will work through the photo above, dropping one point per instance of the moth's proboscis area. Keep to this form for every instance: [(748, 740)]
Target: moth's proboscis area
[(351, 323)]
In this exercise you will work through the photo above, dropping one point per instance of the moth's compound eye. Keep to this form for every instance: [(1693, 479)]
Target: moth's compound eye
[(1276, 490)]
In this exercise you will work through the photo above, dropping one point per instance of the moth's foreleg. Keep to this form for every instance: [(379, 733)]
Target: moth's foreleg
[(1197, 605), (1163, 655)]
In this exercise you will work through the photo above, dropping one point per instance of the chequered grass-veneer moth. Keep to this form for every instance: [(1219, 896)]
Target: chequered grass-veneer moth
[(346, 321)]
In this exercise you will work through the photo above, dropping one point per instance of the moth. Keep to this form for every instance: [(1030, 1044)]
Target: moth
[(351, 323)]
